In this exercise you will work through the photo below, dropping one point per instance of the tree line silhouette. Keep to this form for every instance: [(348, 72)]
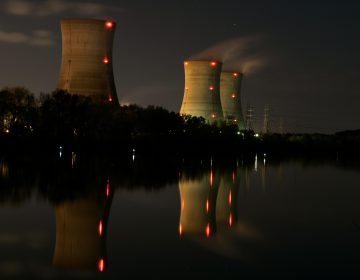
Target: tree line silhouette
[(80, 124)]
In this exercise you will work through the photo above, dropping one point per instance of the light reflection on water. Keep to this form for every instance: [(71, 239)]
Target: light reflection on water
[(231, 219)]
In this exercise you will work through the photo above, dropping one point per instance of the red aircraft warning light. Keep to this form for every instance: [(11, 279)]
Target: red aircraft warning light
[(109, 24), (101, 265), (110, 98), (106, 60), (211, 88), (213, 116), (233, 95), (235, 74), (213, 63)]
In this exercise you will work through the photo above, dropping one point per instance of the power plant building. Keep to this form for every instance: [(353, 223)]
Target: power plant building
[(230, 90), (87, 60), (202, 90)]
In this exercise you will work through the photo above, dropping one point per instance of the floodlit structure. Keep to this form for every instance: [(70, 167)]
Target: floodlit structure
[(198, 204), (86, 65), (202, 90), (230, 94)]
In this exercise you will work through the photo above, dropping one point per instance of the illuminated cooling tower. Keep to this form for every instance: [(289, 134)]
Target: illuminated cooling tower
[(202, 90), (81, 233), (86, 65), (226, 202), (198, 204), (230, 93)]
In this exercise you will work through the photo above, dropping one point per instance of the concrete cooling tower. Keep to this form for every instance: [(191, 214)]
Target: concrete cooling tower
[(202, 90), (86, 65), (81, 226), (198, 204), (230, 89)]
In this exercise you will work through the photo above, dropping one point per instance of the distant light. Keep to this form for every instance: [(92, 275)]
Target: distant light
[(235, 120), (186, 63), (207, 230), (230, 198), (213, 63), (238, 133), (207, 205), (110, 98), (230, 220), (256, 134), (106, 60), (211, 88), (233, 95), (100, 228), (213, 115), (7, 131), (211, 177), (101, 265), (235, 74), (109, 24)]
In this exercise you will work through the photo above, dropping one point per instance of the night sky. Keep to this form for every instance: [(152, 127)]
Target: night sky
[(300, 58)]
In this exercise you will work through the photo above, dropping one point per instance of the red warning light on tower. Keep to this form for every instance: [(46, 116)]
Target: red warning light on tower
[(233, 95), (213, 115), (213, 63), (110, 98), (106, 60), (235, 74), (101, 265), (211, 88), (186, 63), (109, 24)]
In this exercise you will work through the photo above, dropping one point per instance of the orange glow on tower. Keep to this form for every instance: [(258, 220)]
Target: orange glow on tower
[(207, 230), (101, 265), (100, 228), (180, 229), (186, 63)]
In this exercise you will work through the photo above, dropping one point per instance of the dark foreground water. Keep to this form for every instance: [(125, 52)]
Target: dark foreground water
[(291, 219)]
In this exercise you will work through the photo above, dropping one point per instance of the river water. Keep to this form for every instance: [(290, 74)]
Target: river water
[(196, 218)]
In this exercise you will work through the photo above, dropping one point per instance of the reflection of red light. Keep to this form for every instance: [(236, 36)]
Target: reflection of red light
[(207, 230), (109, 24), (207, 206), (180, 229), (235, 74), (233, 95), (230, 198), (100, 228), (106, 60), (101, 265), (213, 63), (230, 219), (211, 88)]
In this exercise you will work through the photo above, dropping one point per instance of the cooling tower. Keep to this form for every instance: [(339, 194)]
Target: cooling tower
[(198, 204), (81, 226), (202, 90), (230, 94), (226, 201), (86, 65)]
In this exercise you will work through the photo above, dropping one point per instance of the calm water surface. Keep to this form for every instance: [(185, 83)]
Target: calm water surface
[(290, 219)]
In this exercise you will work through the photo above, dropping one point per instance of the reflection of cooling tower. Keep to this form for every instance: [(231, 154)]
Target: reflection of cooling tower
[(86, 66), (198, 204), (202, 90), (81, 233), (230, 92), (226, 202)]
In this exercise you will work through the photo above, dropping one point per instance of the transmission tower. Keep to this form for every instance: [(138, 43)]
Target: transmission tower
[(266, 119), (249, 117)]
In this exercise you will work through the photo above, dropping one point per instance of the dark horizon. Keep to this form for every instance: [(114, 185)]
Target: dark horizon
[(306, 53)]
